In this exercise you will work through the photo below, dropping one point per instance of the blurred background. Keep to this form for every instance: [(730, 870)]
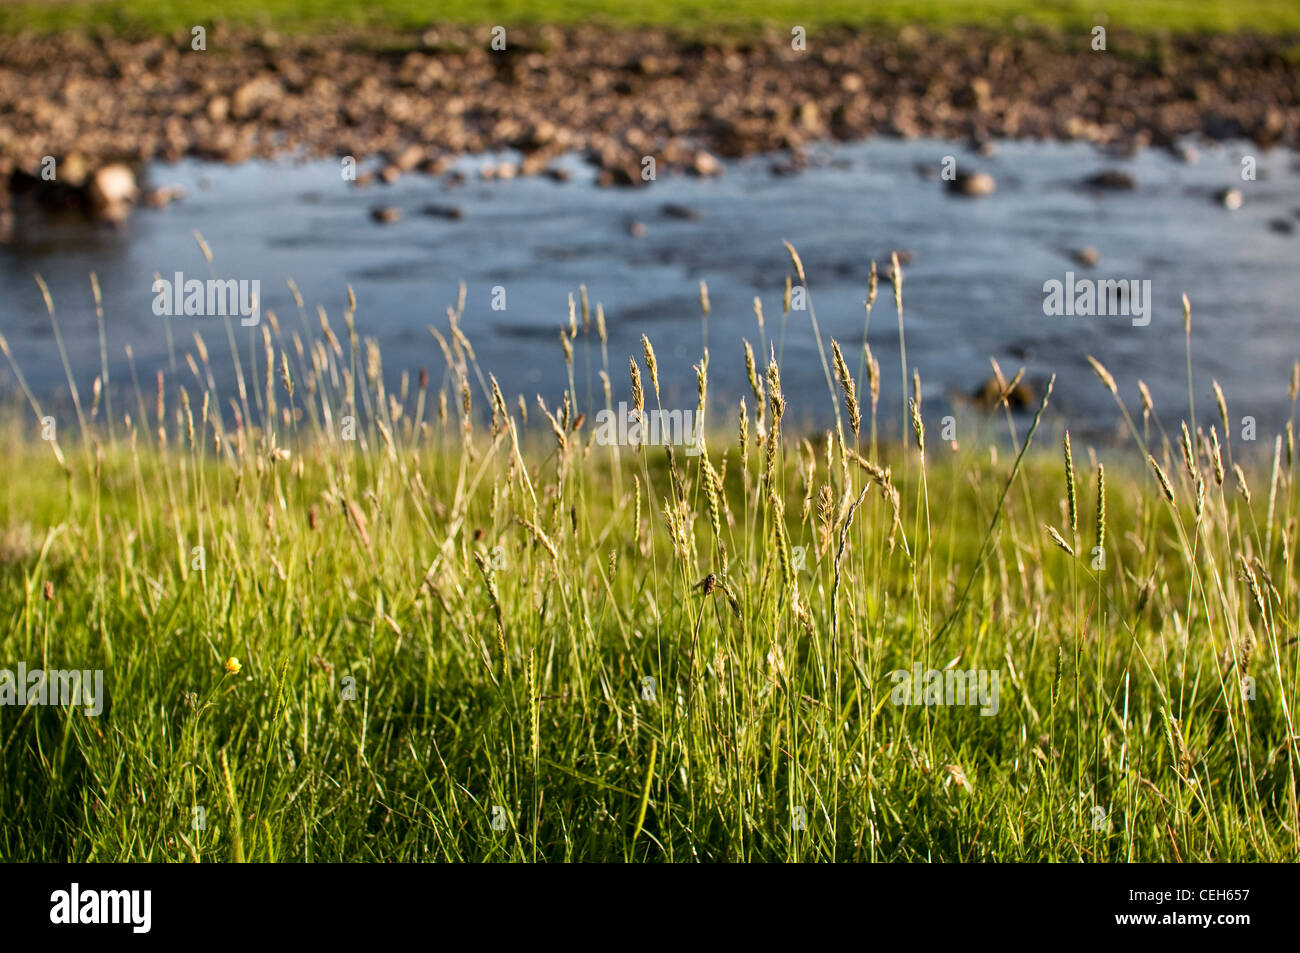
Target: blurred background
[(530, 151)]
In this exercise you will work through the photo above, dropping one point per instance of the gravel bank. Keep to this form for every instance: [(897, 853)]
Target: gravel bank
[(617, 96)]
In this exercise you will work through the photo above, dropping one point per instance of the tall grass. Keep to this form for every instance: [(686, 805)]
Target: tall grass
[(472, 632)]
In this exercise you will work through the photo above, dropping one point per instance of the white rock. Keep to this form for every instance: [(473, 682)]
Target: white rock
[(112, 187)]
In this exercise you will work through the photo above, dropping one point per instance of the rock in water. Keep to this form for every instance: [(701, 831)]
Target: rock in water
[(163, 196), (1089, 257), (452, 212), (989, 395), (111, 190), (706, 164), (1112, 180), (1229, 198), (684, 212), (972, 184)]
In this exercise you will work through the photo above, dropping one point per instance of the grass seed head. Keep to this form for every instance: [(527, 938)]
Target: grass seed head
[(743, 432), (1144, 596), (751, 371), (776, 397), (1101, 507), (1216, 456), (500, 412), (638, 395), (702, 383), (1059, 540), (711, 493), (1165, 486), (1242, 485), (850, 388), (1248, 574), (1189, 455), (1069, 486), (798, 263), (1223, 407), (1103, 375), (896, 273), (651, 364)]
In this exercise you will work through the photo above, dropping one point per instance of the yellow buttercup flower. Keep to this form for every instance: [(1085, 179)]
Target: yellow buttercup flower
[(233, 666)]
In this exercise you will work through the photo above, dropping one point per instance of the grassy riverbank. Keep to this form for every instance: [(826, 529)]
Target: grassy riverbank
[(1179, 16), (612, 653)]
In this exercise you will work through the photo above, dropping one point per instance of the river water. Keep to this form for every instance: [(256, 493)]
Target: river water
[(974, 277)]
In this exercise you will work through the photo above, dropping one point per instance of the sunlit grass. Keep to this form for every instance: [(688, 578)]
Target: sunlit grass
[(454, 616)]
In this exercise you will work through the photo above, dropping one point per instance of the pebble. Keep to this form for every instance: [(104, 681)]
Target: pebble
[(1089, 257), (684, 212), (1230, 199), (164, 196), (972, 184), (1112, 180), (706, 164), (451, 212)]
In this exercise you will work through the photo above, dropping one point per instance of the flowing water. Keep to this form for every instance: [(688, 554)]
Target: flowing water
[(974, 277)]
